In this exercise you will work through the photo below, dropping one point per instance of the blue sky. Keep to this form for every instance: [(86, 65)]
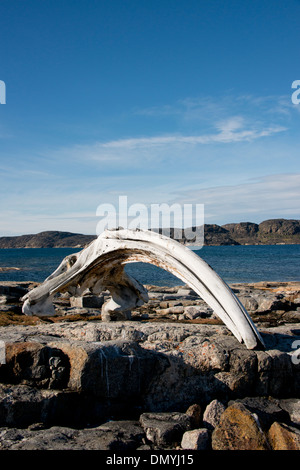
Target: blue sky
[(164, 101)]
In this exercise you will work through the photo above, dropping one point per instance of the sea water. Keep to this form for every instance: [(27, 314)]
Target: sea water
[(250, 263)]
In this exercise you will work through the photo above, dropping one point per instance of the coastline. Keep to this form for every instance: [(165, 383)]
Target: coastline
[(271, 231)]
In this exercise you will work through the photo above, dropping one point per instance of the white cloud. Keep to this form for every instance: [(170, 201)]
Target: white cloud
[(271, 196)]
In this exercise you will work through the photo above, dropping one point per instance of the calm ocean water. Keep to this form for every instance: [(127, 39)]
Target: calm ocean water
[(232, 263)]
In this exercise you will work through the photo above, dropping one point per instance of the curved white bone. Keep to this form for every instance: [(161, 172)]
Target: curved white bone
[(99, 267)]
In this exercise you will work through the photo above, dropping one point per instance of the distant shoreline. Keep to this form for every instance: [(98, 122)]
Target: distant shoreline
[(189, 245), (268, 232)]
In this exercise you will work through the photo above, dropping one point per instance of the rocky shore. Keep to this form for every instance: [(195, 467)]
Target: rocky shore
[(172, 378)]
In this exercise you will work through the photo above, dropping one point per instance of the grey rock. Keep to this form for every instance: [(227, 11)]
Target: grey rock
[(249, 302), (112, 436), (269, 302), (212, 414), (197, 439), (192, 312), (184, 292), (292, 407), (165, 429), (155, 296)]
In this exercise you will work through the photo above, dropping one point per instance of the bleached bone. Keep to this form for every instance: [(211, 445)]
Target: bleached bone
[(100, 267)]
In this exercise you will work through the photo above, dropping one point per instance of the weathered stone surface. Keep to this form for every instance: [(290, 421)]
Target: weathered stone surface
[(250, 303), (183, 292), (212, 414), (281, 380), (115, 436), (164, 429), (284, 437), (243, 369), (197, 439), (292, 407), (195, 312), (239, 430), (165, 365)]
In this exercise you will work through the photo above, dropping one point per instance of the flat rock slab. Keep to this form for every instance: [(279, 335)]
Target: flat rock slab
[(154, 365), (281, 337), (115, 436)]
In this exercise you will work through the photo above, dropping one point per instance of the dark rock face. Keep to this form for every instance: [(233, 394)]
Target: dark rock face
[(35, 364), (267, 232), (242, 229), (280, 227), (216, 235)]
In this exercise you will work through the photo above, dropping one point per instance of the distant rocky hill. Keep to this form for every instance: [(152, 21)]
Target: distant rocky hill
[(51, 239), (269, 232)]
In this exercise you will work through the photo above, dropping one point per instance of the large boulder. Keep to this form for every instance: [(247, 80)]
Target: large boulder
[(239, 430)]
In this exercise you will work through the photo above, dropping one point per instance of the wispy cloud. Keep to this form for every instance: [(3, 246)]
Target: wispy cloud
[(128, 150), (270, 196), (199, 122), (219, 153), (230, 131)]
